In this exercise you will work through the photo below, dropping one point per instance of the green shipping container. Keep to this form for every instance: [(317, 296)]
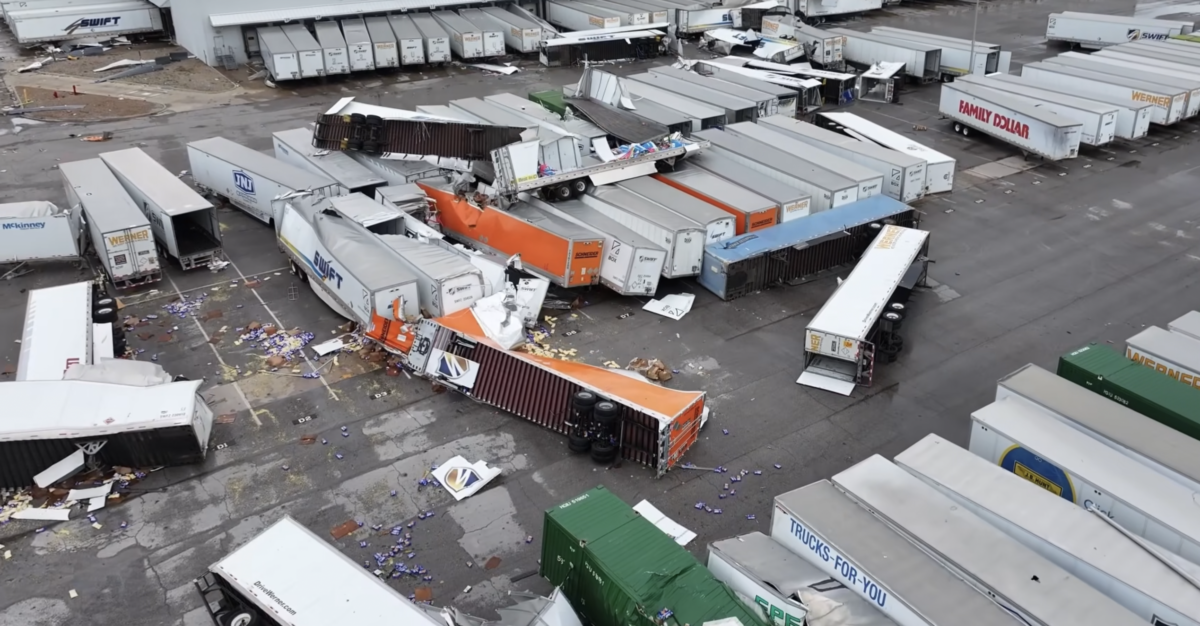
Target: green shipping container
[(551, 99), (618, 569), (1153, 394)]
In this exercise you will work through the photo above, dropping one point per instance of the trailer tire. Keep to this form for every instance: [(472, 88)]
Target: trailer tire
[(358, 118), (584, 399), (966, 130), (374, 120), (605, 414), (578, 443), (104, 315), (243, 617), (354, 144), (958, 127), (103, 301), (580, 186), (562, 192), (371, 147), (603, 452)]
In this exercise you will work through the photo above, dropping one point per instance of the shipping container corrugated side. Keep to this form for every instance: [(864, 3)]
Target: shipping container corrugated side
[(569, 527), (628, 565), (1157, 396), (799, 249), (657, 425), (373, 135)]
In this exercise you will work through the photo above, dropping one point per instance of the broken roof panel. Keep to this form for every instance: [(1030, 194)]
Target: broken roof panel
[(626, 126)]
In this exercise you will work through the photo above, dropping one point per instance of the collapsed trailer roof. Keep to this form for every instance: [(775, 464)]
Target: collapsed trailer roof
[(350, 125), (57, 409), (624, 125), (304, 581)]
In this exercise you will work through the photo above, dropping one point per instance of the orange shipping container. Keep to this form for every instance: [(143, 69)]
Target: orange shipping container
[(752, 211), (565, 253)]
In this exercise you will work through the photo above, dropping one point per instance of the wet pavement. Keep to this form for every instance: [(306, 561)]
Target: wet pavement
[(1027, 267)]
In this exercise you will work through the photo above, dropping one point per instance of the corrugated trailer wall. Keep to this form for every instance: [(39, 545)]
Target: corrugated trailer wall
[(515, 384), (379, 136), (20, 461)]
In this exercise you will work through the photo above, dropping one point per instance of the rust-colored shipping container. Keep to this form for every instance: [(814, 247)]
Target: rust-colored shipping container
[(563, 252), (657, 425)]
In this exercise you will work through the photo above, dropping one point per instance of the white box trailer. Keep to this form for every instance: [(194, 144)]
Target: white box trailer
[(1029, 128), (396, 171), (869, 181), (383, 42), (1004, 59), (1170, 103), (134, 425), (1152, 55), (437, 40), (359, 50), (58, 331), (825, 8), (1154, 65), (1099, 121), (819, 46), (333, 47), (38, 231), (939, 168), (632, 264), (348, 267), (289, 575), (703, 116), (278, 53), (792, 202), (465, 39), (408, 40), (1094, 30), (921, 61), (767, 101), (827, 190), (493, 34), (252, 181), (903, 175), (184, 223), (61, 23), (120, 233), (750, 210), (842, 342), (1033, 588), (448, 282), (1184, 50), (682, 237), (737, 108), (1130, 433), (519, 33), (1166, 353), (824, 527), (955, 54), (1133, 118), (309, 53), (1081, 470), (1081, 543), (788, 97), (572, 16), (1188, 325), (626, 15), (654, 14), (294, 147), (783, 586), (718, 225)]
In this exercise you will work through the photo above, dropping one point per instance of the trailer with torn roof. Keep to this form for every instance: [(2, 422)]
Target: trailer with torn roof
[(939, 168), (827, 190), (295, 148), (922, 62), (39, 231), (163, 424), (859, 550), (1077, 468), (448, 282), (984, 556), (857, 324), (799, 249), (1088, 547)]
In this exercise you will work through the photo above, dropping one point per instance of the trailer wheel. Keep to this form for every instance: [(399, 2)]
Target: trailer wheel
[(578, 443), (354, 144), (358, 118), (371, 147), (103, 301), (966, 130), (958, 127), (104, 315), (237, 618), (374, 120), (603, 452), (580, 186), (562, 192), (605, 414)]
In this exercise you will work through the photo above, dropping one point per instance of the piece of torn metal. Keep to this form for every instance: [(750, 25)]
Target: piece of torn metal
[(122, 63), (133, 71), (329, 347), (673, 306), (535, 610), (463, 479), (97, 503), (87, 494), (674, 530), (63, 469), (36, 65), (498, 69), (61, 514)]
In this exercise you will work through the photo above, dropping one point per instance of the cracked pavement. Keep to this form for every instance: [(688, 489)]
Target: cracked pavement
[(1028, 267)]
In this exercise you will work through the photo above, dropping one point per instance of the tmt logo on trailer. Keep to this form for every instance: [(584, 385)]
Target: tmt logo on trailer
[(987, 116)]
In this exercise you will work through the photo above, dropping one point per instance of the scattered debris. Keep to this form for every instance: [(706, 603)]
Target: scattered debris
[(653, 369), (498, 69), (36, 65), (681, 535), (673, 306), (492, 563), (463, 479), (122, 63), (133, 71), (104, 136), (342, 530)]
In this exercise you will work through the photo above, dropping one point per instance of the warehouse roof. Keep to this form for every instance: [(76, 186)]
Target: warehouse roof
[(323, 11)]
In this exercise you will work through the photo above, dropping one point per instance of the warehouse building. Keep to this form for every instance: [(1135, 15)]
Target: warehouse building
[(224, 32)]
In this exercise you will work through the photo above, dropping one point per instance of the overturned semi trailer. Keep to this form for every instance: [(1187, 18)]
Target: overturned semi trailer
[(656, 425)]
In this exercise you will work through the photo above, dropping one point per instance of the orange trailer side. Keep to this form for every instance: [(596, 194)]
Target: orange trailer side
[(745, 222)]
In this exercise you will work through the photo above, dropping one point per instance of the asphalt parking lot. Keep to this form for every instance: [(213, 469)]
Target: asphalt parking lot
[(1028, 266)]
